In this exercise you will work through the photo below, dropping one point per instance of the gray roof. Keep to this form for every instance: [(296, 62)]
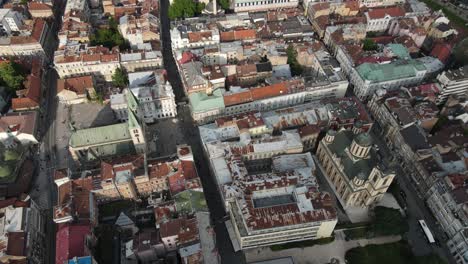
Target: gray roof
[(363, 139), (360, 168), (415, 138)]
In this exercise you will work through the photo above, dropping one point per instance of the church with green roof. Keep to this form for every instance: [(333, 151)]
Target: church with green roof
[(112, 140), (356, 173)]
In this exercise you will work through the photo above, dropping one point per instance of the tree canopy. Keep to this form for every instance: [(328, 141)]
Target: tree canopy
[(12, 75), (399, 252), (185, 8), (296, 68), (224, 4), (120, 78), (369, 44), (388, 221), (109, 37)]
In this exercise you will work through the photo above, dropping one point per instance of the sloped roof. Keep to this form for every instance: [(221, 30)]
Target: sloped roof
[(70, 242), (379, 13), (100, 135)]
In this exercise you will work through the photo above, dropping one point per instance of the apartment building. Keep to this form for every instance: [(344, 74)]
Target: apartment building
[(139, 29), (196, 35), (368, 77), (40, 10), (378, 19), (258, 5), (447, 200), (260, 204), (78, 8), (379, 3), (10, 21), (125, 177), (30, 42), (256, 177), (76, 90), (150, 94), (357, 174), (80, 60), (141, 60), (452, 82)]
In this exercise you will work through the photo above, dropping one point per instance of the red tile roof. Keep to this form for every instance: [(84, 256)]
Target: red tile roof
[(197, 36), (23, 104), (16, 243), (38, 28), (269, 91), (237, 98), (78, 85), (245, 34), (379, 13), (442, 51), (38, 6), (227, 36), (308, 130), (70, 242)]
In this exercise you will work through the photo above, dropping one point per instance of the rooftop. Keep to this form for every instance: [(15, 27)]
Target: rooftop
[(401, 69), (100, 135)]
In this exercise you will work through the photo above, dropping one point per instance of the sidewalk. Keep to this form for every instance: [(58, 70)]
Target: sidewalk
[(318, 254)]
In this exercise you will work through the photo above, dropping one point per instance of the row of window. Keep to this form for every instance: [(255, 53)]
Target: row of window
[(262, 3)]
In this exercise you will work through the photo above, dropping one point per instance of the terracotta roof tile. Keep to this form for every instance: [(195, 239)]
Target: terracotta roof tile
[(78, 85), (237, 98), (379, 13), (269, 91)]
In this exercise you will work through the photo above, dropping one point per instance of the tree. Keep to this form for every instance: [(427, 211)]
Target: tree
[(369, 44), (12, 75), (120, 78), (185, 8), (296, 68), (109, 37), (388, 221), (224, 4)]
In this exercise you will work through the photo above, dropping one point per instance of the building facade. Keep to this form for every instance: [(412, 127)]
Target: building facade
[(358, 176)]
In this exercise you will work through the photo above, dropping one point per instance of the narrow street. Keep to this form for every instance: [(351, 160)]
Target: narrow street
[(44, 192), (416, 210), (191, 137)]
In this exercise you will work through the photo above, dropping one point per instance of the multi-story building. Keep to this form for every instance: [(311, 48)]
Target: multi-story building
[(76, 90), (447, 199), (10, 21), (21, 126), (452, 82), (206, 108), (398, 109), (377, 3), (258, 5), (78, 8), (150, 94), (141, 61), (196, 35), (138, 30), (40, 10), (368, 77), (358, 176), (256, 193), (262, 206), (379, 19), (80, 60), (73, 31), (126, 177), (30, 42)]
